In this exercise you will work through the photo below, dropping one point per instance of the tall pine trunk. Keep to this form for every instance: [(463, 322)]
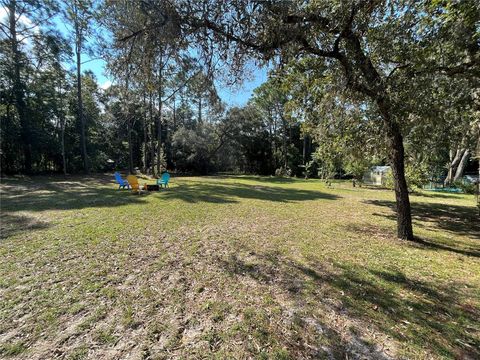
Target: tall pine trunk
[(81, 118), (200, 110), (62, 138), (159, 128), (130, 148), (152, 136), (18, 91), (62, 128), (145, 136), (284, 142)]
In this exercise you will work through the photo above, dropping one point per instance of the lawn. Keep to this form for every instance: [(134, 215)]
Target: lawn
[(234, 267)]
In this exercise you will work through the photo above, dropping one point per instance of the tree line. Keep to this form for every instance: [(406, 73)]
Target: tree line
[(351, 84)]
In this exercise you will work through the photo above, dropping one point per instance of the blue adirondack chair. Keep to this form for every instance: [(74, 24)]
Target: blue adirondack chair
[(163, 181), (122, 184)]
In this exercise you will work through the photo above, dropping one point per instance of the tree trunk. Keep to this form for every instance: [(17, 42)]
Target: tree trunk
[(159, 129), (62, 127), (284, 137), (174, 114), (81, 118), (172, 150), (452, 167), (274, 141), (130, 150), (377, 92), (19, 92), (200, 110), (478, 180), (284, 143), (145, 136), (152, 137), (304, 152), (461, 165), (397, 160), (62, 143)]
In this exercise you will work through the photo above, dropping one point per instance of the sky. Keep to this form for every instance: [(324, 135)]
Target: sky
[(232, 96), (237, 95)]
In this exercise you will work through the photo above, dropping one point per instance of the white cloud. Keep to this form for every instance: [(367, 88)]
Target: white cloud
[(3, 13), (23, 22), (106, 85)]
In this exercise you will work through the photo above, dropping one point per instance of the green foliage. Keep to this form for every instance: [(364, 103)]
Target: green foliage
[(417, 176), (311, 169), (466, 187), (191, 149), (357, 167), (283, 172)]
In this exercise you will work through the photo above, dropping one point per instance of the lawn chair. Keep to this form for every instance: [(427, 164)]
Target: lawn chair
[(163, 181), (134, 185), (121, 183)]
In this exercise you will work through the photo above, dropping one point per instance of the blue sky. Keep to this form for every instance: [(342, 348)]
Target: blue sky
[(232, 96)]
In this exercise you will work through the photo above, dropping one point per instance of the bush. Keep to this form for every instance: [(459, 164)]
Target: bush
[(311, 169), (283, 172), (416, 176), (467, 188)]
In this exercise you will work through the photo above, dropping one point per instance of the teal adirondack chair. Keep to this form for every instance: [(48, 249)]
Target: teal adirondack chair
[(163, 181)]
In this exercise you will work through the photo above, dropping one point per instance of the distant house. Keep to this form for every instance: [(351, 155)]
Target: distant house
[(376, 175)]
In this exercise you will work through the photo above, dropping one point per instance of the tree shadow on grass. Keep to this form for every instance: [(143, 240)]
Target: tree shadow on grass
[(462, 220), (267, 179), (374, 231), (437, 195), (325, 342), (432, 315), (11, 224), (58, 193), (70, 194), (195, 192)]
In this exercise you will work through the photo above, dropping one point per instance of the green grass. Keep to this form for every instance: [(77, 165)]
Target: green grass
[(234, 267)]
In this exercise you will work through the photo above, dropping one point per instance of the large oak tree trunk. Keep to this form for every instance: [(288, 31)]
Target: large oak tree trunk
[(461, 166), (397, 161), (377, 92), (404, 217), (452, 167)]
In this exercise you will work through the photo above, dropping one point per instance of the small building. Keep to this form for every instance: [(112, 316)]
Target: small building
[(376, 175)]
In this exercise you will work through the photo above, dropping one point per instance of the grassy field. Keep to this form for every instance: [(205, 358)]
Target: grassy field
[(234, 267)]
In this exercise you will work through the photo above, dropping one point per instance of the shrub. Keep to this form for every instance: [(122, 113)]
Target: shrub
[(283, 172), (416, 176), (467, 188)]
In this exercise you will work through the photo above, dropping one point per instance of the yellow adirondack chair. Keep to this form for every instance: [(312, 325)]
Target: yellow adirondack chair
[(134, 185)]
